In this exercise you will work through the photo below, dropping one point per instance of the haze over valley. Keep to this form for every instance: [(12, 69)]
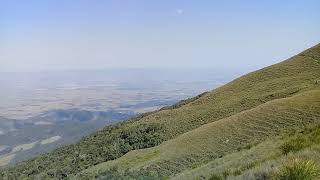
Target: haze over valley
[(41, 111), (24, 95)]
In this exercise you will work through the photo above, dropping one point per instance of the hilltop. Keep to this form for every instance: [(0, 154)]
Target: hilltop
[(211, 135)]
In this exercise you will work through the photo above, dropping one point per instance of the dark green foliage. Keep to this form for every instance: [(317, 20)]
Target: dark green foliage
[(91, 151)]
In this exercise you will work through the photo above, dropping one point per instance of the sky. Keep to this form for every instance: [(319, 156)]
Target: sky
[(41, 35)]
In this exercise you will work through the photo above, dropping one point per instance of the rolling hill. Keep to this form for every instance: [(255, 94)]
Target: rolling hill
[(239, 127)]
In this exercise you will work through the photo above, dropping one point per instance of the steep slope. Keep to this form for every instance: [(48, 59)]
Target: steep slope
[(262, 161), (216, 139), (296, 75)]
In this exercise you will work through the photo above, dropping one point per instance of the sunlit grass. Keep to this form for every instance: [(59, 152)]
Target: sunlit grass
[(299, 170)]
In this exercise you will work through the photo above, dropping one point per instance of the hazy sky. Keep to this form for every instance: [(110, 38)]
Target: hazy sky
[(98, 34)]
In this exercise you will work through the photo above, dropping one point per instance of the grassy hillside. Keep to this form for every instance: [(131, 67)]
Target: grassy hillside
[(216, 139), (237, 115), (263, 161)]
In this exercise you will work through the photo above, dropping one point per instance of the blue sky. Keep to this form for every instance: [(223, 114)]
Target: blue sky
[(95, 34)]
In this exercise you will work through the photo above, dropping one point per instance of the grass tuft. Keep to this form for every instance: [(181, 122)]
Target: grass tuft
[(216, 177), (299, 170)]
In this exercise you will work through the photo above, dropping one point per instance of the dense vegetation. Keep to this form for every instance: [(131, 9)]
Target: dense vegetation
[(213, 135)]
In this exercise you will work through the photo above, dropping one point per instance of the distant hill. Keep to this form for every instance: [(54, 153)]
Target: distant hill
[(246, 128)]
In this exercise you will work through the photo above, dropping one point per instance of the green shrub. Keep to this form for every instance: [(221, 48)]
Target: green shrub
[(226, 173), (237, 172), (294, 145), (216, 177), (299, 170)]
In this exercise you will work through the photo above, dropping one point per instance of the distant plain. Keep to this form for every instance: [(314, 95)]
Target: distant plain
[(40, 111)]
